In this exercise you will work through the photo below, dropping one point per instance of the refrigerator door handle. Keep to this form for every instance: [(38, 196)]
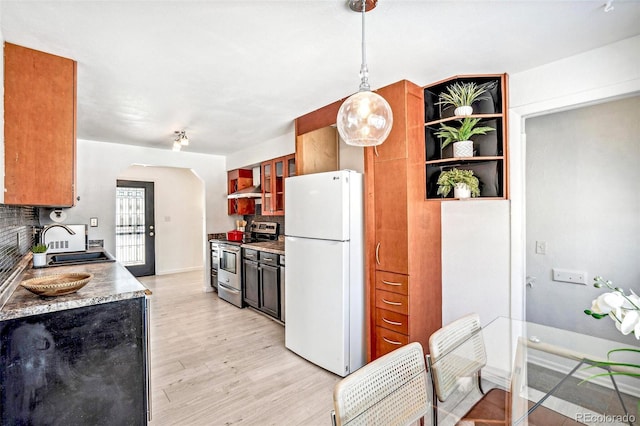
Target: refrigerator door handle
[(378, 253)]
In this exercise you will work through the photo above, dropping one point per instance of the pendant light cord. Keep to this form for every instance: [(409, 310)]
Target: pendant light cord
[(364, 71)]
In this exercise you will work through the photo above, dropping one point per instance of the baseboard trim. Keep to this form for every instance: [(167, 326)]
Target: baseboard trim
[(602, 381), (177, 271)]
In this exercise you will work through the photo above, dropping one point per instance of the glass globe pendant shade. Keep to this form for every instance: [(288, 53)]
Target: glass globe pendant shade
[(364, 119)]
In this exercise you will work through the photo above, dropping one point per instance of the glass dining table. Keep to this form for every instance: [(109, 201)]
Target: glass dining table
[(549, 377)]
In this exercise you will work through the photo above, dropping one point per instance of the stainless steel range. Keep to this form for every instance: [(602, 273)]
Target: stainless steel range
[(230, 260)]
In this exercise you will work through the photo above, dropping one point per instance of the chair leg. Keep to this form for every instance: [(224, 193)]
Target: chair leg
[(479, 378), (434, 397)]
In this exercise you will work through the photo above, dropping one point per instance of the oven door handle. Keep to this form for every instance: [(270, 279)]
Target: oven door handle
[(229, 289)]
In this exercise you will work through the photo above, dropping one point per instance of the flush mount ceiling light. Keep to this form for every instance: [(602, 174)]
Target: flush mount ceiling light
[(181, 140), (365, 118)]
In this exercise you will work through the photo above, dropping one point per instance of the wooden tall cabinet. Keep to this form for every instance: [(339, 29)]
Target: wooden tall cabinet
[(39, 128), (402, 232)]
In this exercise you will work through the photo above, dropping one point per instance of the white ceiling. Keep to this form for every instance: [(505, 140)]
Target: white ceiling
[(236, 73)]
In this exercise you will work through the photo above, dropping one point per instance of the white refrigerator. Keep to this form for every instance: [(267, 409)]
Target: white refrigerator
[(324, 276)]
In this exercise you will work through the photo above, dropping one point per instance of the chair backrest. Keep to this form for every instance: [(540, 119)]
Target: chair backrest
[(391, 390), (456, 351)]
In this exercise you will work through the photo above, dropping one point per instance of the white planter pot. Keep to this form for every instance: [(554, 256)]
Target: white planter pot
[(461, 190), (463, 111), (463, 149), (39, 259)]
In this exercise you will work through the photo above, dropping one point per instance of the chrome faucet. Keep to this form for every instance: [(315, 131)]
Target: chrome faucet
[(46, 228)]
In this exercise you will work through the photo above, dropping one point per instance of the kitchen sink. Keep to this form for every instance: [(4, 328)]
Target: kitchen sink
[(79, 258)]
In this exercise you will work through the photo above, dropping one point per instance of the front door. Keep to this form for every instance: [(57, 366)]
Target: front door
[(135, 228)]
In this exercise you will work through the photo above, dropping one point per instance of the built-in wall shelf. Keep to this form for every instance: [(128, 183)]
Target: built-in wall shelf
[(489, 162)]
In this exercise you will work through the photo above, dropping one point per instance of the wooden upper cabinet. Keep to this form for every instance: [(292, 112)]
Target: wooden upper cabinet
[(236, 180), (39, 128), (272, 175), (317, 151)]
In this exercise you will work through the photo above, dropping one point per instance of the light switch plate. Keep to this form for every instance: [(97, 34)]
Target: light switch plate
[(93, 221)]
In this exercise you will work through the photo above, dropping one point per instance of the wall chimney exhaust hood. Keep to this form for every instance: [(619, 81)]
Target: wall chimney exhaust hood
[(254, 191)]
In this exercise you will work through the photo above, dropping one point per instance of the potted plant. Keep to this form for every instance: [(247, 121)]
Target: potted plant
[(39, 255), (461, 136), (463, 183), (461, 96)]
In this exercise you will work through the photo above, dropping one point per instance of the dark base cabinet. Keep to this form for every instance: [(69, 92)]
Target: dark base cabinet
[(270, 289), (261, 282), (83, 366), (251, 283)]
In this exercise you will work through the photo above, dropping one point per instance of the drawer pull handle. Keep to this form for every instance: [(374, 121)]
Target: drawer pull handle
[(391, 283), (391, 303), (391, 322), (393, 342)]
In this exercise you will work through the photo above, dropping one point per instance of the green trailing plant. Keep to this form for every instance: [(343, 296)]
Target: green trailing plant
[(463, 133), (450, 178), (462, 94), (39, 248)]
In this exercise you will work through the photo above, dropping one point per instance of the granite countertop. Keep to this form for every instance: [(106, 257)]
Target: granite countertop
[(111, 282), (276, 247)]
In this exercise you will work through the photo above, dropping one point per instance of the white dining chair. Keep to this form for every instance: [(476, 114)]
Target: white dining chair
[(389, 391), (457, 352)]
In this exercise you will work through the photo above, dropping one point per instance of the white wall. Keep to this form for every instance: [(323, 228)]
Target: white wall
[(582, 200), (475, 259), (594, 76), (607, 72), (351, 157), (274, 148), (100, 163), (179, 216)]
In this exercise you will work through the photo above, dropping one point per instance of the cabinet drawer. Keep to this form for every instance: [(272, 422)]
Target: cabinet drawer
[(250, 254), (268, 258), (392, 321), (392, 302), (387, 341), (395, 283)]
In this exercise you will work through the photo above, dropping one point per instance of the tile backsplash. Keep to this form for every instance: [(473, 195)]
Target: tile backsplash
[(16, 236)]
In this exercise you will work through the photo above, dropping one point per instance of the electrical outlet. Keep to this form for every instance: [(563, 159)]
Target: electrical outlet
[(566, 276), (541, 247), (93, 221)]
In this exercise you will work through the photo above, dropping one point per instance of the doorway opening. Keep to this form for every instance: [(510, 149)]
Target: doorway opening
[(135, 227)]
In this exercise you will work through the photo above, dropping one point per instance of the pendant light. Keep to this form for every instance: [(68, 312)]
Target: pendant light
[(365, 118)]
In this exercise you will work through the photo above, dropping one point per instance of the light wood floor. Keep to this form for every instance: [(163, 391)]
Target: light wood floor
[(215, 364)]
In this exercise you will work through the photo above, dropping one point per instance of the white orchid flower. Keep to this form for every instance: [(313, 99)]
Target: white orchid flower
[(629, 322), (607, 302)]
